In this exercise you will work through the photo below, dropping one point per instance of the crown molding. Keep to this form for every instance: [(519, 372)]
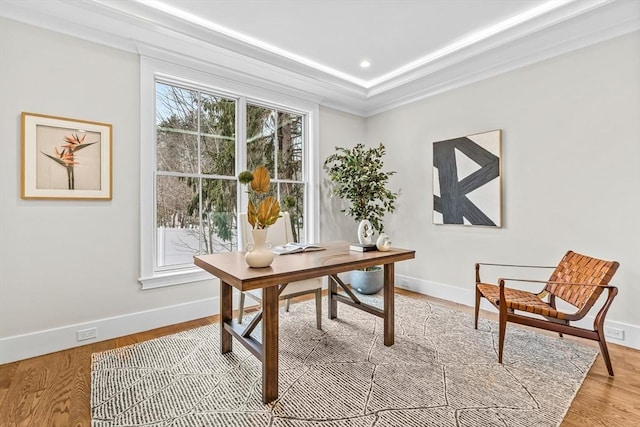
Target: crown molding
[(593, 27), (136, 27)]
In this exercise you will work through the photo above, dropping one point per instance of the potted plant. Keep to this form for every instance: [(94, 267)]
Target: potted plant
[(358, 178), (263, 211)]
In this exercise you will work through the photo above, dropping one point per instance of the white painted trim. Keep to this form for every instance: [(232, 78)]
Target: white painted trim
[(131, 26), (160, 280), (20, 347), (178, 23), (33, 344), (313, 169), (467, 297), (201, 65), (458, 70), (206, 76)]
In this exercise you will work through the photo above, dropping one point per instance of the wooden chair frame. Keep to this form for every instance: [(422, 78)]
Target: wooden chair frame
[(283, 234), (552, 319), (318, 297)]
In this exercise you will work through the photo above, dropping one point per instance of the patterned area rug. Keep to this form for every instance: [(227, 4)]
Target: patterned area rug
[(440, 372)]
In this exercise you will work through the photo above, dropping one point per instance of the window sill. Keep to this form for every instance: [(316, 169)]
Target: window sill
[(161, 280)]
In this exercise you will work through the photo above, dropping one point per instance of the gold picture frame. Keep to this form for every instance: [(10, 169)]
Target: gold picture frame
[(65, 158)]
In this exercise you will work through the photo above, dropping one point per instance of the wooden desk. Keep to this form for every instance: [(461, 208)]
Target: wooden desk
[(233, 271)]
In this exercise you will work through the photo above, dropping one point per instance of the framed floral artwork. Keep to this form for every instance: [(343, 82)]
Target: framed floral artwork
[(65, 158)]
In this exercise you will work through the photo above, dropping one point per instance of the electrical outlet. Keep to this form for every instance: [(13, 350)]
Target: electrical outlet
[(614, 333), (403, 283), (87, 334)]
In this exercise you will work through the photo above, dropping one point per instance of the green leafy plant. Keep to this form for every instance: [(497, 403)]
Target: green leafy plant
[(358, 178)]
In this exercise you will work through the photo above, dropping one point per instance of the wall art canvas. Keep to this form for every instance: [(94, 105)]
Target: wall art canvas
[(467, 180), (65, 158)]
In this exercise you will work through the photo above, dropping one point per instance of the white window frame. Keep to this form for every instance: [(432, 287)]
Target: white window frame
[(203, 76)]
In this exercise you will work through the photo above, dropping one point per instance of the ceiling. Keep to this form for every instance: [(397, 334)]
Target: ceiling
[(416, 48), (335, 36)]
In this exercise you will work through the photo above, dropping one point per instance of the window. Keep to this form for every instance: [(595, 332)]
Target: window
[(275, 139), (196, 190), (202, 138)]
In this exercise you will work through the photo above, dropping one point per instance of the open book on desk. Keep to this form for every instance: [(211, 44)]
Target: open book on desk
[(294, 248)]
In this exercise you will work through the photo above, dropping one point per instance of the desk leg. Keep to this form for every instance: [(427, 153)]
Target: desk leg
[(389, 294), (332, 309), (226, 313), (269, 344)]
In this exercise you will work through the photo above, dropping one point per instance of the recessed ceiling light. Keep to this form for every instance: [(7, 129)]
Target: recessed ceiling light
[(365, 64)]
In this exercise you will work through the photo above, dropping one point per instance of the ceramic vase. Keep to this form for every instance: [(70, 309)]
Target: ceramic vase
[(383, 243), (365, 232), (259, 253)]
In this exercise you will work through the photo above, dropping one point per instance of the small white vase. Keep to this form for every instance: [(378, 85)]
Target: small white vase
[(383, 243), (259, 252)]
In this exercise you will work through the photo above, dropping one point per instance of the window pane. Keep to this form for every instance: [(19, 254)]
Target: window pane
[(292, 200), (218, 125), (290, 133), (176, 129), (176, 151), (261, 135), (197, 152), (177, 221), (179, 233), (219, 231)]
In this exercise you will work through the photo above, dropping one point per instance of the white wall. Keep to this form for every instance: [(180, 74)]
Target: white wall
[(69, 265), (571, 174), (337, 129), (65, 263)]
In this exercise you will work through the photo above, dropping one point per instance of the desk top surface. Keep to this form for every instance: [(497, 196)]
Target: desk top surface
[(337, 258)]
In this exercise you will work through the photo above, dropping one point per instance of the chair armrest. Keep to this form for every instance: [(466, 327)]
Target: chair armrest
[(478, 264), (516, 265), (505, 279), (598, 322)]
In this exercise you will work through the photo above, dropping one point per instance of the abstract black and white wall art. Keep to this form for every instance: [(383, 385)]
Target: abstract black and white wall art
[(466, 180)]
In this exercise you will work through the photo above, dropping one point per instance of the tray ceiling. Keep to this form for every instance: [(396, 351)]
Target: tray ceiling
[(415, 48)]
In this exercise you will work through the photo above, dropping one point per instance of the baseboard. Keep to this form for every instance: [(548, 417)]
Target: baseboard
[(25, 346), (20, 347), (467, 297)]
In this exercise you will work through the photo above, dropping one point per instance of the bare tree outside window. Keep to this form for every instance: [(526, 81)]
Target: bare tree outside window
[(196, 188), (275, 139), (196, 180)]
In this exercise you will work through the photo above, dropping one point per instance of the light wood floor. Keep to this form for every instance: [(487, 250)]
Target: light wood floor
[(54, 390)]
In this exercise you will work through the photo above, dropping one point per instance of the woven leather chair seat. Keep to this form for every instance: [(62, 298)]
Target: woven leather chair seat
[(519, 300), (577, 279)]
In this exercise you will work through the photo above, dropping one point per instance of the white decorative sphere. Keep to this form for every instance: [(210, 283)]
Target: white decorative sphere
[(383, 243)]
